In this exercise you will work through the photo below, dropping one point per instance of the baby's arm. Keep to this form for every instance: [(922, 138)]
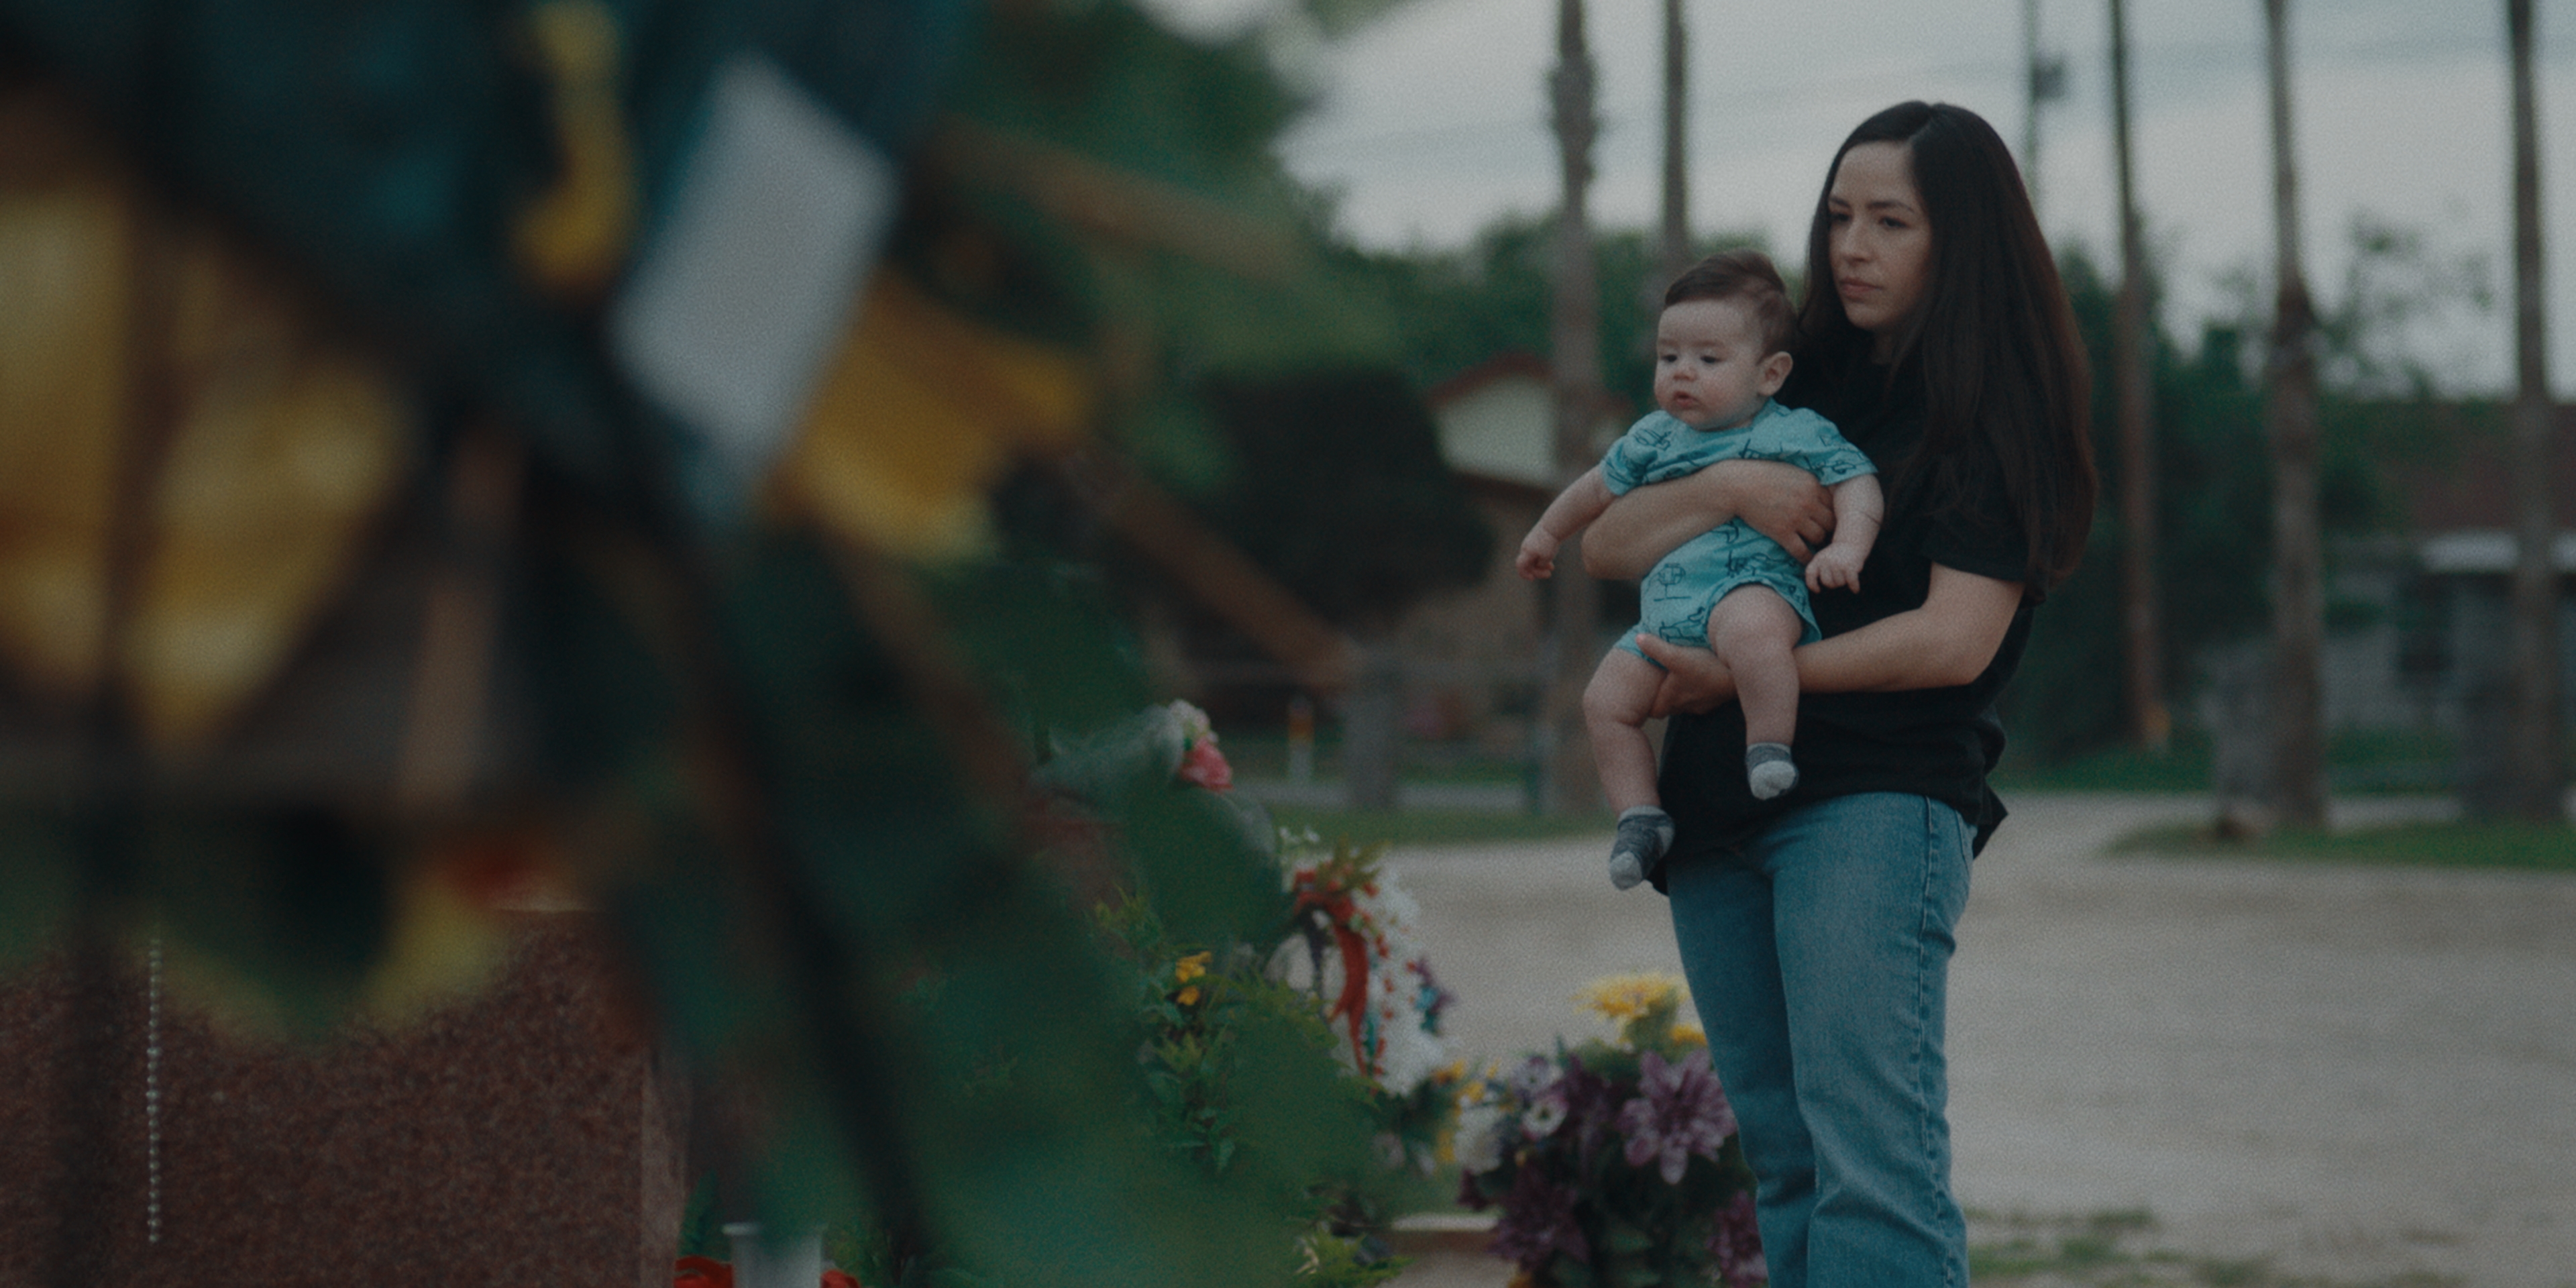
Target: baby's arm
[(1578, 505), (1859, 508)]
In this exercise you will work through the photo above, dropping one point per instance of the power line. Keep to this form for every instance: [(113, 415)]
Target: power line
[(1788, 96)]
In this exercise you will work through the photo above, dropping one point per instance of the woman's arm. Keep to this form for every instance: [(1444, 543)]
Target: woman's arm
[(1776, 499), (1948, 641)]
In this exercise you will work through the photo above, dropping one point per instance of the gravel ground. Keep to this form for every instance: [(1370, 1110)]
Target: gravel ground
[(2163, 1071)]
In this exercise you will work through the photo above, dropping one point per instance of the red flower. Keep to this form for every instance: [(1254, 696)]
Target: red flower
[(1205, 766), (706, 1272), (703, 1272)]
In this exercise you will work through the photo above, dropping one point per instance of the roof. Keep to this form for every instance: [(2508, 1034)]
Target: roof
[(1510, 364)]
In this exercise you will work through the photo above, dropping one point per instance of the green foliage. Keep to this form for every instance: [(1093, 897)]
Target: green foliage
[(1337, 488), (1330, 1260), (1462, 308), (1227, 1058), (2213, 480), (788, 774)]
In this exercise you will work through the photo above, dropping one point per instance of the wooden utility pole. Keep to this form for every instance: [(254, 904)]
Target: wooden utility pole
[(1570, 784), (2030, 115), (1676, 248), (2296, 709), (2535, 779), (2142, 617), (2045, 83)]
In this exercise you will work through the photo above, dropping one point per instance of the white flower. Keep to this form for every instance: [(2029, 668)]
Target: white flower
[(1480, 1137), (1544, 1118), (1407, 1053), (1533, 1077)]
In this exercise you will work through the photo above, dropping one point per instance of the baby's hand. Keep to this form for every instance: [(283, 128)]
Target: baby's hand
[(1538, 555), (1836, 565)]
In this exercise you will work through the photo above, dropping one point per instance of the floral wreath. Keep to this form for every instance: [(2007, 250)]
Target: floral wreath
[(1353, 939)]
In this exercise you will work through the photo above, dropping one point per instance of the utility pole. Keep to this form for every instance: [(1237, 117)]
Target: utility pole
[(2030, 116), (1570, 782), (2046, 83), (2296, 711), (2142, 618), (2535, 780), (1677, 239)]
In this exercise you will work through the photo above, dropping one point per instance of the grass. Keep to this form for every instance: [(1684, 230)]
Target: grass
[(2357, 763), (2497, 846), (2117, 1249), (1437, 827), (2374, 762)]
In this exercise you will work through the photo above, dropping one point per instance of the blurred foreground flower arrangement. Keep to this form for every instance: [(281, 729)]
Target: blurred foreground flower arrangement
[(1614, 1162), (695, 460)]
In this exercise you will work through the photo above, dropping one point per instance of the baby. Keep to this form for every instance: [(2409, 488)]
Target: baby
[(1721, 351)]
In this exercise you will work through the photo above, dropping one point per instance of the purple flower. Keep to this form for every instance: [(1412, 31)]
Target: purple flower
[(1679, 1112), (1538, 1222), (1591, 1108), (1735, 1245)]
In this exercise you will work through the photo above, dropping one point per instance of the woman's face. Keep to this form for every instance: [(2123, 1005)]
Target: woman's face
[(1878, 240)]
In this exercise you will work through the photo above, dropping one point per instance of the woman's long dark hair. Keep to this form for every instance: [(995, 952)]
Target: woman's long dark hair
[(2006, 394)]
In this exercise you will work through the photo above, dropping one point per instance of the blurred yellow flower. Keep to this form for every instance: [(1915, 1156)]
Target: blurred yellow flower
[(1186, 969), (1689, 1033), (1626, 997)]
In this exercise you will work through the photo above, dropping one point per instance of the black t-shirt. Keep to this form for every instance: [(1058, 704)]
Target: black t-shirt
[(1938, 743)]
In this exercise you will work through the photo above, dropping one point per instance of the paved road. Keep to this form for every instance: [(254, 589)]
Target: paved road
[(2357, 1075)]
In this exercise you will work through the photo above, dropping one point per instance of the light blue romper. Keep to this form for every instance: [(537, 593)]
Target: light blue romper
[(1675, 599)]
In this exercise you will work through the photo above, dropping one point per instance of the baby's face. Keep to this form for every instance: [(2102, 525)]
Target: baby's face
[(1709, 368)]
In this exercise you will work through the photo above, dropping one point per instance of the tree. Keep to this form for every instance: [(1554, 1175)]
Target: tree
[(2536, 738), (1676, 244), (2141, 619), (1575, 353), (1338, 491), (2296, 713)]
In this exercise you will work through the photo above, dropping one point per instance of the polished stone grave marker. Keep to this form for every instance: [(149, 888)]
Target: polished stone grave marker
[(530, 1136)]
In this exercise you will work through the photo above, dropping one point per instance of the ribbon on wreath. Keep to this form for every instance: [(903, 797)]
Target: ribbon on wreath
[(1340, 910)]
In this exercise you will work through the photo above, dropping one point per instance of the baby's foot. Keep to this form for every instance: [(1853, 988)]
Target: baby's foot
[(1768, 768), (1644, 831)]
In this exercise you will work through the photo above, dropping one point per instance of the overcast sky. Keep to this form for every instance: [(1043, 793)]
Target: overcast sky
[(1432, 122)]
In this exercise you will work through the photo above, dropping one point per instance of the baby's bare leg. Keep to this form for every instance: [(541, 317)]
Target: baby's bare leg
[(1753, 628), (1615, 706)]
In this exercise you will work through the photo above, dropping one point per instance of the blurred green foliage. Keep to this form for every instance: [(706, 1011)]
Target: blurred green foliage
[(791, 775)]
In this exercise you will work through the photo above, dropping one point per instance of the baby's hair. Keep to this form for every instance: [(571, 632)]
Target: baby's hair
[(1745, 275)]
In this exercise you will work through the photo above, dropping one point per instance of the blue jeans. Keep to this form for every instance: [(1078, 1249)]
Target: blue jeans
[(1819, 959)]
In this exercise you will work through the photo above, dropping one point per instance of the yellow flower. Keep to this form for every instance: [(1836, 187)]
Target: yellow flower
[(1689, 1033), (1450, 1073), (1626, 997), (1191, 967), (1190, 996)]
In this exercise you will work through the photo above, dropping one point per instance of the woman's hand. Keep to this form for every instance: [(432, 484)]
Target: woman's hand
[(1774, 498), (1696, 680)]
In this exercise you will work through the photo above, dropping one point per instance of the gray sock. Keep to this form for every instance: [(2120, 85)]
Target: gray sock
[(1644, 832), (1768, 769)]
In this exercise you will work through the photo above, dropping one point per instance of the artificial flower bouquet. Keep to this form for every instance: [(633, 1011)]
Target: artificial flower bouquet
[(1614, 1162)]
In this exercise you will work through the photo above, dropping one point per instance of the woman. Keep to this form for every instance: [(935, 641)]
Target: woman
[(1816, 928)]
